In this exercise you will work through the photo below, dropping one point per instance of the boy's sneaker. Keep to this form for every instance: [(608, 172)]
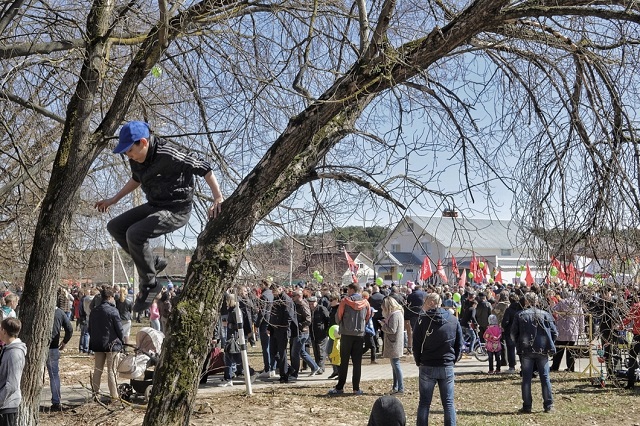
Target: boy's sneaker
[(146, 296), (160, 264)]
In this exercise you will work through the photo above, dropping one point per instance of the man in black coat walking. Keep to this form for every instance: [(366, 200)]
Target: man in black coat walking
[(106, 333)]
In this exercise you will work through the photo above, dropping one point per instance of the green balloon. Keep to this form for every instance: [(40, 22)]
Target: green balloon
[(456, 297), (400, 275), (319, 278), (481, 265), (156, 71), (470, 275), (522, 267), (333, 330), (518, 273), (553, 271), (379, 281)]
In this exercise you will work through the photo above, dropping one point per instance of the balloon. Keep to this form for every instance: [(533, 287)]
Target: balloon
[(470, 275), (400, 275), (319, 278), (553, 271), (522, 267), (456, 297), (379, 281), (481, 265), (333, 330), (490, 280), (156, 71), (518, 274)]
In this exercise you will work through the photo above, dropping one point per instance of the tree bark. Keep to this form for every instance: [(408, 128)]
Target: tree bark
[(76, 152)]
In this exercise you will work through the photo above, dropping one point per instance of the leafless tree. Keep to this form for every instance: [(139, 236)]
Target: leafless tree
[(401, 105)]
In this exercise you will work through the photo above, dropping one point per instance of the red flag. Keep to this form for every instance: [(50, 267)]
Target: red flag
[(528, 278), (486, 268), (425, 270), (473, 265), (478, 276), (498, 277), (462, 281), (454, 266), (440, 271), (555, 262), (572, 275), (352, 266)]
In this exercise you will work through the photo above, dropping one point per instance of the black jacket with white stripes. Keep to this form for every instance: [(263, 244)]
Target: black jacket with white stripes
[(167, 175)]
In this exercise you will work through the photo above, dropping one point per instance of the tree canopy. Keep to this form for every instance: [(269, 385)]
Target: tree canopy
[(313, 113)]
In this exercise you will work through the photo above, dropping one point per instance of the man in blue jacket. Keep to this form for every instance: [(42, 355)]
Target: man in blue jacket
[(437, 345), (166, 176), (534, 333)]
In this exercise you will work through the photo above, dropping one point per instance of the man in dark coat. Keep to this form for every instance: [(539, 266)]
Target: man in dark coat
[(262, 322), (282, 326), (105, 328), (437, 345), (534, 332), (60, 321)]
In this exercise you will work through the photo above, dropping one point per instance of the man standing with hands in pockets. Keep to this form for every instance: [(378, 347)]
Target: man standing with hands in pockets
[(167, 177)]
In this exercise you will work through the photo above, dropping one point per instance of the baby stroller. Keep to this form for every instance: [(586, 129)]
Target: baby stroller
[(136, 365)]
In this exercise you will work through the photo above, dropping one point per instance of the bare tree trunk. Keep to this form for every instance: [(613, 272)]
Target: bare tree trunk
[(76, 152)]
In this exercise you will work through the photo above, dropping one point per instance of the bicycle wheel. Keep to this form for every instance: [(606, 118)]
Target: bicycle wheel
[(481, 353)]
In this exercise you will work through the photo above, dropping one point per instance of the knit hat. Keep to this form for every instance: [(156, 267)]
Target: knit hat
[(387, 411)]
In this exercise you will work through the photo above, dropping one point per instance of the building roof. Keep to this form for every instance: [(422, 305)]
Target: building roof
[(400, 258), (469, 233)]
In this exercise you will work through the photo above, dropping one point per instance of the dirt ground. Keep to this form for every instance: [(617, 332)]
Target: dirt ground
[(480, 400)]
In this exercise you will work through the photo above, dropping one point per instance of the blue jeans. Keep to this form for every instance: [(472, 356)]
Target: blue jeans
[(398, 381), (298, 350), (232, 364), (444, 377), (539, 363), (84, 337), (469, 337), (54, 374)]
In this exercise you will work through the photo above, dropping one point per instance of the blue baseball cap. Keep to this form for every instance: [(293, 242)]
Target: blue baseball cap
[(131, 133)]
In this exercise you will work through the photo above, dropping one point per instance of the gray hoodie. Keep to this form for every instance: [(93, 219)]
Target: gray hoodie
[(11, 365)]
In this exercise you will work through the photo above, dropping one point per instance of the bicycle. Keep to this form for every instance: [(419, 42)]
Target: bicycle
[(473, 345)]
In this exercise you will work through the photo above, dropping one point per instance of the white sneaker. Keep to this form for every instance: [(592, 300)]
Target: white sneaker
[(314, 372), (227, 383), (267, 375)]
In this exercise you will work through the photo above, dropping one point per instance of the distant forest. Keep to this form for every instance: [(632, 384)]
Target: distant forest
[(354, 238)]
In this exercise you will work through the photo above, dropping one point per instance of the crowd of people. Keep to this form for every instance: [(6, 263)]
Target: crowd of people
[(327, 329)]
